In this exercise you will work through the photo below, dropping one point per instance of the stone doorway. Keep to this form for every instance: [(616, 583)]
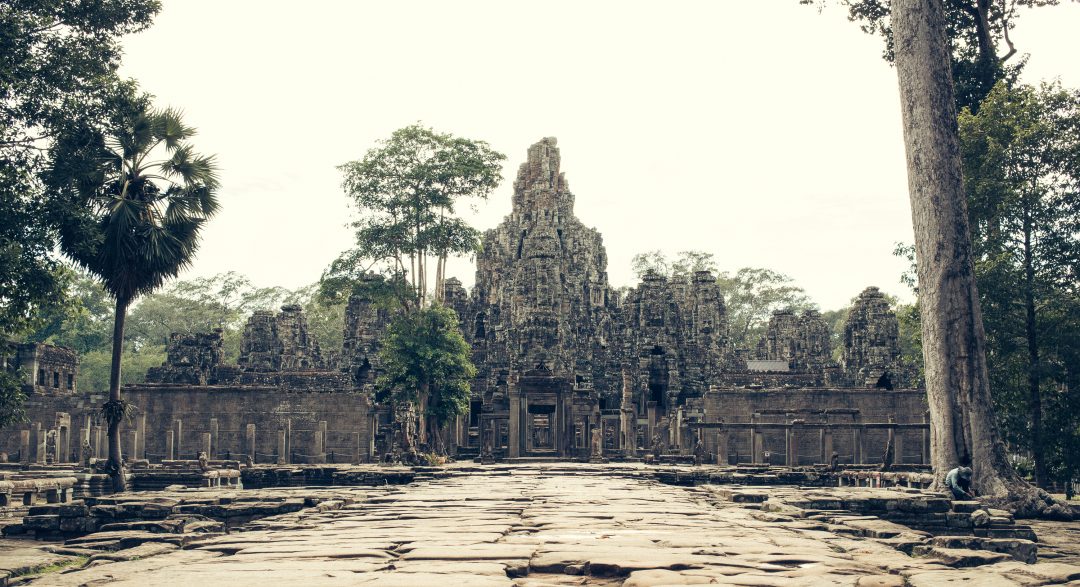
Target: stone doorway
[(541, 429)]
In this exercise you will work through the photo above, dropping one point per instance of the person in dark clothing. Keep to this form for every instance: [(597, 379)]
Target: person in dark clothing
[(958, 481)]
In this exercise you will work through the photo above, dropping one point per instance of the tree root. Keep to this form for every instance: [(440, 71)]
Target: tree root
[(1028, 501)]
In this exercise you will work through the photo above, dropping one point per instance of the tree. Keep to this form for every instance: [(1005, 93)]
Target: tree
[(976, 30), (12, 398), (408, 189), (751, 295), (1021, 155), (426, 363), (686, 263), (963, 430), (58, 74), (142, 223)]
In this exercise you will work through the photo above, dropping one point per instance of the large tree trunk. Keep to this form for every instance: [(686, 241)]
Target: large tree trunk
[(115, 462), (962, 422)]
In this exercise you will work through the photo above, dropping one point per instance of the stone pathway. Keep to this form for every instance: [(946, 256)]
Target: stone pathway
[(533, 528)]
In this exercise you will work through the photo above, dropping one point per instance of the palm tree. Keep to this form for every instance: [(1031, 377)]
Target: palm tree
[(145, 196)]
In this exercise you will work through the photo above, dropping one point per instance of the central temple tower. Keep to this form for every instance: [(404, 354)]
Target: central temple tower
[(543, 309)]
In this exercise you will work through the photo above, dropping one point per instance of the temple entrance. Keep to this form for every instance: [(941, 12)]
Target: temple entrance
[(540, 435), (658, 377), (542, 438)]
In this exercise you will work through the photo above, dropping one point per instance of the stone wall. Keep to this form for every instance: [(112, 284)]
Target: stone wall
[(857, 423), (173, 421), (46, 369)]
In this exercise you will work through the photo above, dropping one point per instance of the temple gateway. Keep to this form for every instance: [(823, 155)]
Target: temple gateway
[(568, 369)]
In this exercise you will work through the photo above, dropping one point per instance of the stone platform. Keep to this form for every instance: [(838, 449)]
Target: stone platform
[(564, 525)]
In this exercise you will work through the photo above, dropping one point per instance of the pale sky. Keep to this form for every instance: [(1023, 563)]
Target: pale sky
[(763, 132)]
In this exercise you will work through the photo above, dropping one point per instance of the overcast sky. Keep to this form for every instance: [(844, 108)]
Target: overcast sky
[(763, 132)]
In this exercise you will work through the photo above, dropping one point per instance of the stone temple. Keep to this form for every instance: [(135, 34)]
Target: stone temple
[(568, 369)]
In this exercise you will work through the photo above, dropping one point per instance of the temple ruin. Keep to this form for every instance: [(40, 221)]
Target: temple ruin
[(567, 369)]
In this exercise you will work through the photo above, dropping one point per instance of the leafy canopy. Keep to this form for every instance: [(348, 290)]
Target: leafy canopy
[(407, 190), (425, 353), (57, 75), (146, 193)]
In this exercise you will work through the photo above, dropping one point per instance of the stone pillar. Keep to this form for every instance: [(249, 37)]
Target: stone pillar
[(898, 447), (215, 440), (24, 446), (281, 447), (133, 445), (827, 445), (791, 446), (287, 451), (141, 427), (39, 443), (251, 441), (170, 445), (857, 445), (650, 411), (722, 440), (626, 418), (58, 448), (515, 424), (99, 442), (319, 451), (925, 439), (179, 438), (753, 439), (207, 444)]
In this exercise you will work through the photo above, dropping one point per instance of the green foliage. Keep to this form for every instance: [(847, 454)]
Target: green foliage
[(12, 399), (910, 338), (94, 366), (751, 294), (686, 263), (58, 75), (425, 357), (836, 319), (407, 190), (146, 194), (977, 29), (1021, 154)]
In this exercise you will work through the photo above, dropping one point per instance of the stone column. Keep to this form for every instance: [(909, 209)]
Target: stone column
[(515, 424), (898, 447), (141, 427), (319, 451), (650, 412), (626, 417), (925, 439), (99, 444), (207, 444), (754, 457), (179, 438), (24, 446), (215, 442), (170, 445), (58, 448), (857, 445), (827, 446), (791, 447), (722, 440), (281, 447), (132, 447), (287, 451), (39, 444), (251, 441)]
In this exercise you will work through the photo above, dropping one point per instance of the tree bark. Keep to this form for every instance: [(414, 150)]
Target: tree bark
[(962, 423), (115, 458)]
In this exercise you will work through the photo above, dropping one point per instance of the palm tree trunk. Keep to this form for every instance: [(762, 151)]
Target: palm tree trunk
[(115, 458)]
